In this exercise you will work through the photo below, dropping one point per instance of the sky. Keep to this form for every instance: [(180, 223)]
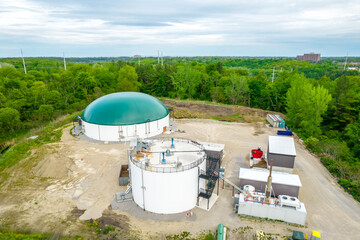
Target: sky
[(112, 28)]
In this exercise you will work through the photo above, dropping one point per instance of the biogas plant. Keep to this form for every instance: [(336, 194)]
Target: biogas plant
[(122, 116), (172, 175)]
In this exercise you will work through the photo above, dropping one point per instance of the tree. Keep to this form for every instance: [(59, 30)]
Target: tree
[(128, 80), (45, 112), (97, 93), (217, 94), (186, 80), (38, 93), (305, 106), (352, 132), (53, 97), (238, 91), (275, 93), (344, 106), (256, 86), (9, 119), (2, 99), (9, 73)]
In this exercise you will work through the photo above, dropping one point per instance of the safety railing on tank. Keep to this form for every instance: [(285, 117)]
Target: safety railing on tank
[(169, 169), (185, 140)]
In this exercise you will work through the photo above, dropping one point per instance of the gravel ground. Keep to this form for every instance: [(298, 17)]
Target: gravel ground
[(94, 167)]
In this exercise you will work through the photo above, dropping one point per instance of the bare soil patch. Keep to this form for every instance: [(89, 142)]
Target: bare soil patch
[(220, 112), (109, 218)]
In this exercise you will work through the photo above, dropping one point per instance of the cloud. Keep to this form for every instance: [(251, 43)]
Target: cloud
[(178, 23)]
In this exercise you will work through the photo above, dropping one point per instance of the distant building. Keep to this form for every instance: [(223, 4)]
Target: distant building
[(314, 57), (349, 63), (137, 56)]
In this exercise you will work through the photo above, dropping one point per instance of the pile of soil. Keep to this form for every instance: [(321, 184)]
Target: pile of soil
[(110, 218)]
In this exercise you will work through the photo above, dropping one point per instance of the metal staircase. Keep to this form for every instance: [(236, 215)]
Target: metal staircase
[(211, 175)]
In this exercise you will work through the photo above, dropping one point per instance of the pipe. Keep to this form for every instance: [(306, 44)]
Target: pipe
[(143, 187), (268, 184), (163, 160), (172, 142)]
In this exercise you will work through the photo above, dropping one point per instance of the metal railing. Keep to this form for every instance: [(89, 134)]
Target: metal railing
[(168, 169), (185, 140)]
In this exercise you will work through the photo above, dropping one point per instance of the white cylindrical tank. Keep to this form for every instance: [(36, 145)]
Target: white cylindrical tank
[(125, 132), (171, 186)]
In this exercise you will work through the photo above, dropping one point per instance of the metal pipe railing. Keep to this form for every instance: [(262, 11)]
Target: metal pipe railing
[(168, 169)]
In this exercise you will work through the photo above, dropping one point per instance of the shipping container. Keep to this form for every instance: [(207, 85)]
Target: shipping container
[(124, 175)]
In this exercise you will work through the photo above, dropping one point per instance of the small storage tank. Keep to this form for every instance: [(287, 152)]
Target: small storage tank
[(165, 174), (257, 153)]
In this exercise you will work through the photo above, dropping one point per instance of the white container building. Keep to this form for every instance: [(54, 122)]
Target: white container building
[(282, 183), (285, 208), (282, 151)]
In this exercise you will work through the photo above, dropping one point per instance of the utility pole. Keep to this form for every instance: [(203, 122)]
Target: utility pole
[(139, 60), (273, 75), (23, 61), (162, 59), (64, 61), (158, 57)]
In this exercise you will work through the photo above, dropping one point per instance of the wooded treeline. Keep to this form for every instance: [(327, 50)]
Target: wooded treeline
[(321, 101)]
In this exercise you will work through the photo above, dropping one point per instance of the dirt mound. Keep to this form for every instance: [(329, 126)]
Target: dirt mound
[(75, 214), (112, 219), (206, 110), (213, 110), (53, 166)]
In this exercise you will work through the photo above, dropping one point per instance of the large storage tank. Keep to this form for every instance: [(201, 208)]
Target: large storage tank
[(121, 116), (165, 175)]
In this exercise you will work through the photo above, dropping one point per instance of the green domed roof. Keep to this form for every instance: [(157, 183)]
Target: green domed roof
[(124, 108)]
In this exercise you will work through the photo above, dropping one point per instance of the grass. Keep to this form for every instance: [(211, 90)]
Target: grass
[(22, 148), (195, 101), (23, 236), (231, 118), (183, 113), (204, 235)]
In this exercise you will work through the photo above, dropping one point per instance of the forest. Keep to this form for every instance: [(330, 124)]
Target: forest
[(320, 100)]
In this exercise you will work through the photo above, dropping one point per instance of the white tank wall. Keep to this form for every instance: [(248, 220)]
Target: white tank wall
[(166, 193), (113, 133)]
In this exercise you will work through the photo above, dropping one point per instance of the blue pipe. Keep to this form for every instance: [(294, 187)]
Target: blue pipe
[(163, 160), (172, 142)]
